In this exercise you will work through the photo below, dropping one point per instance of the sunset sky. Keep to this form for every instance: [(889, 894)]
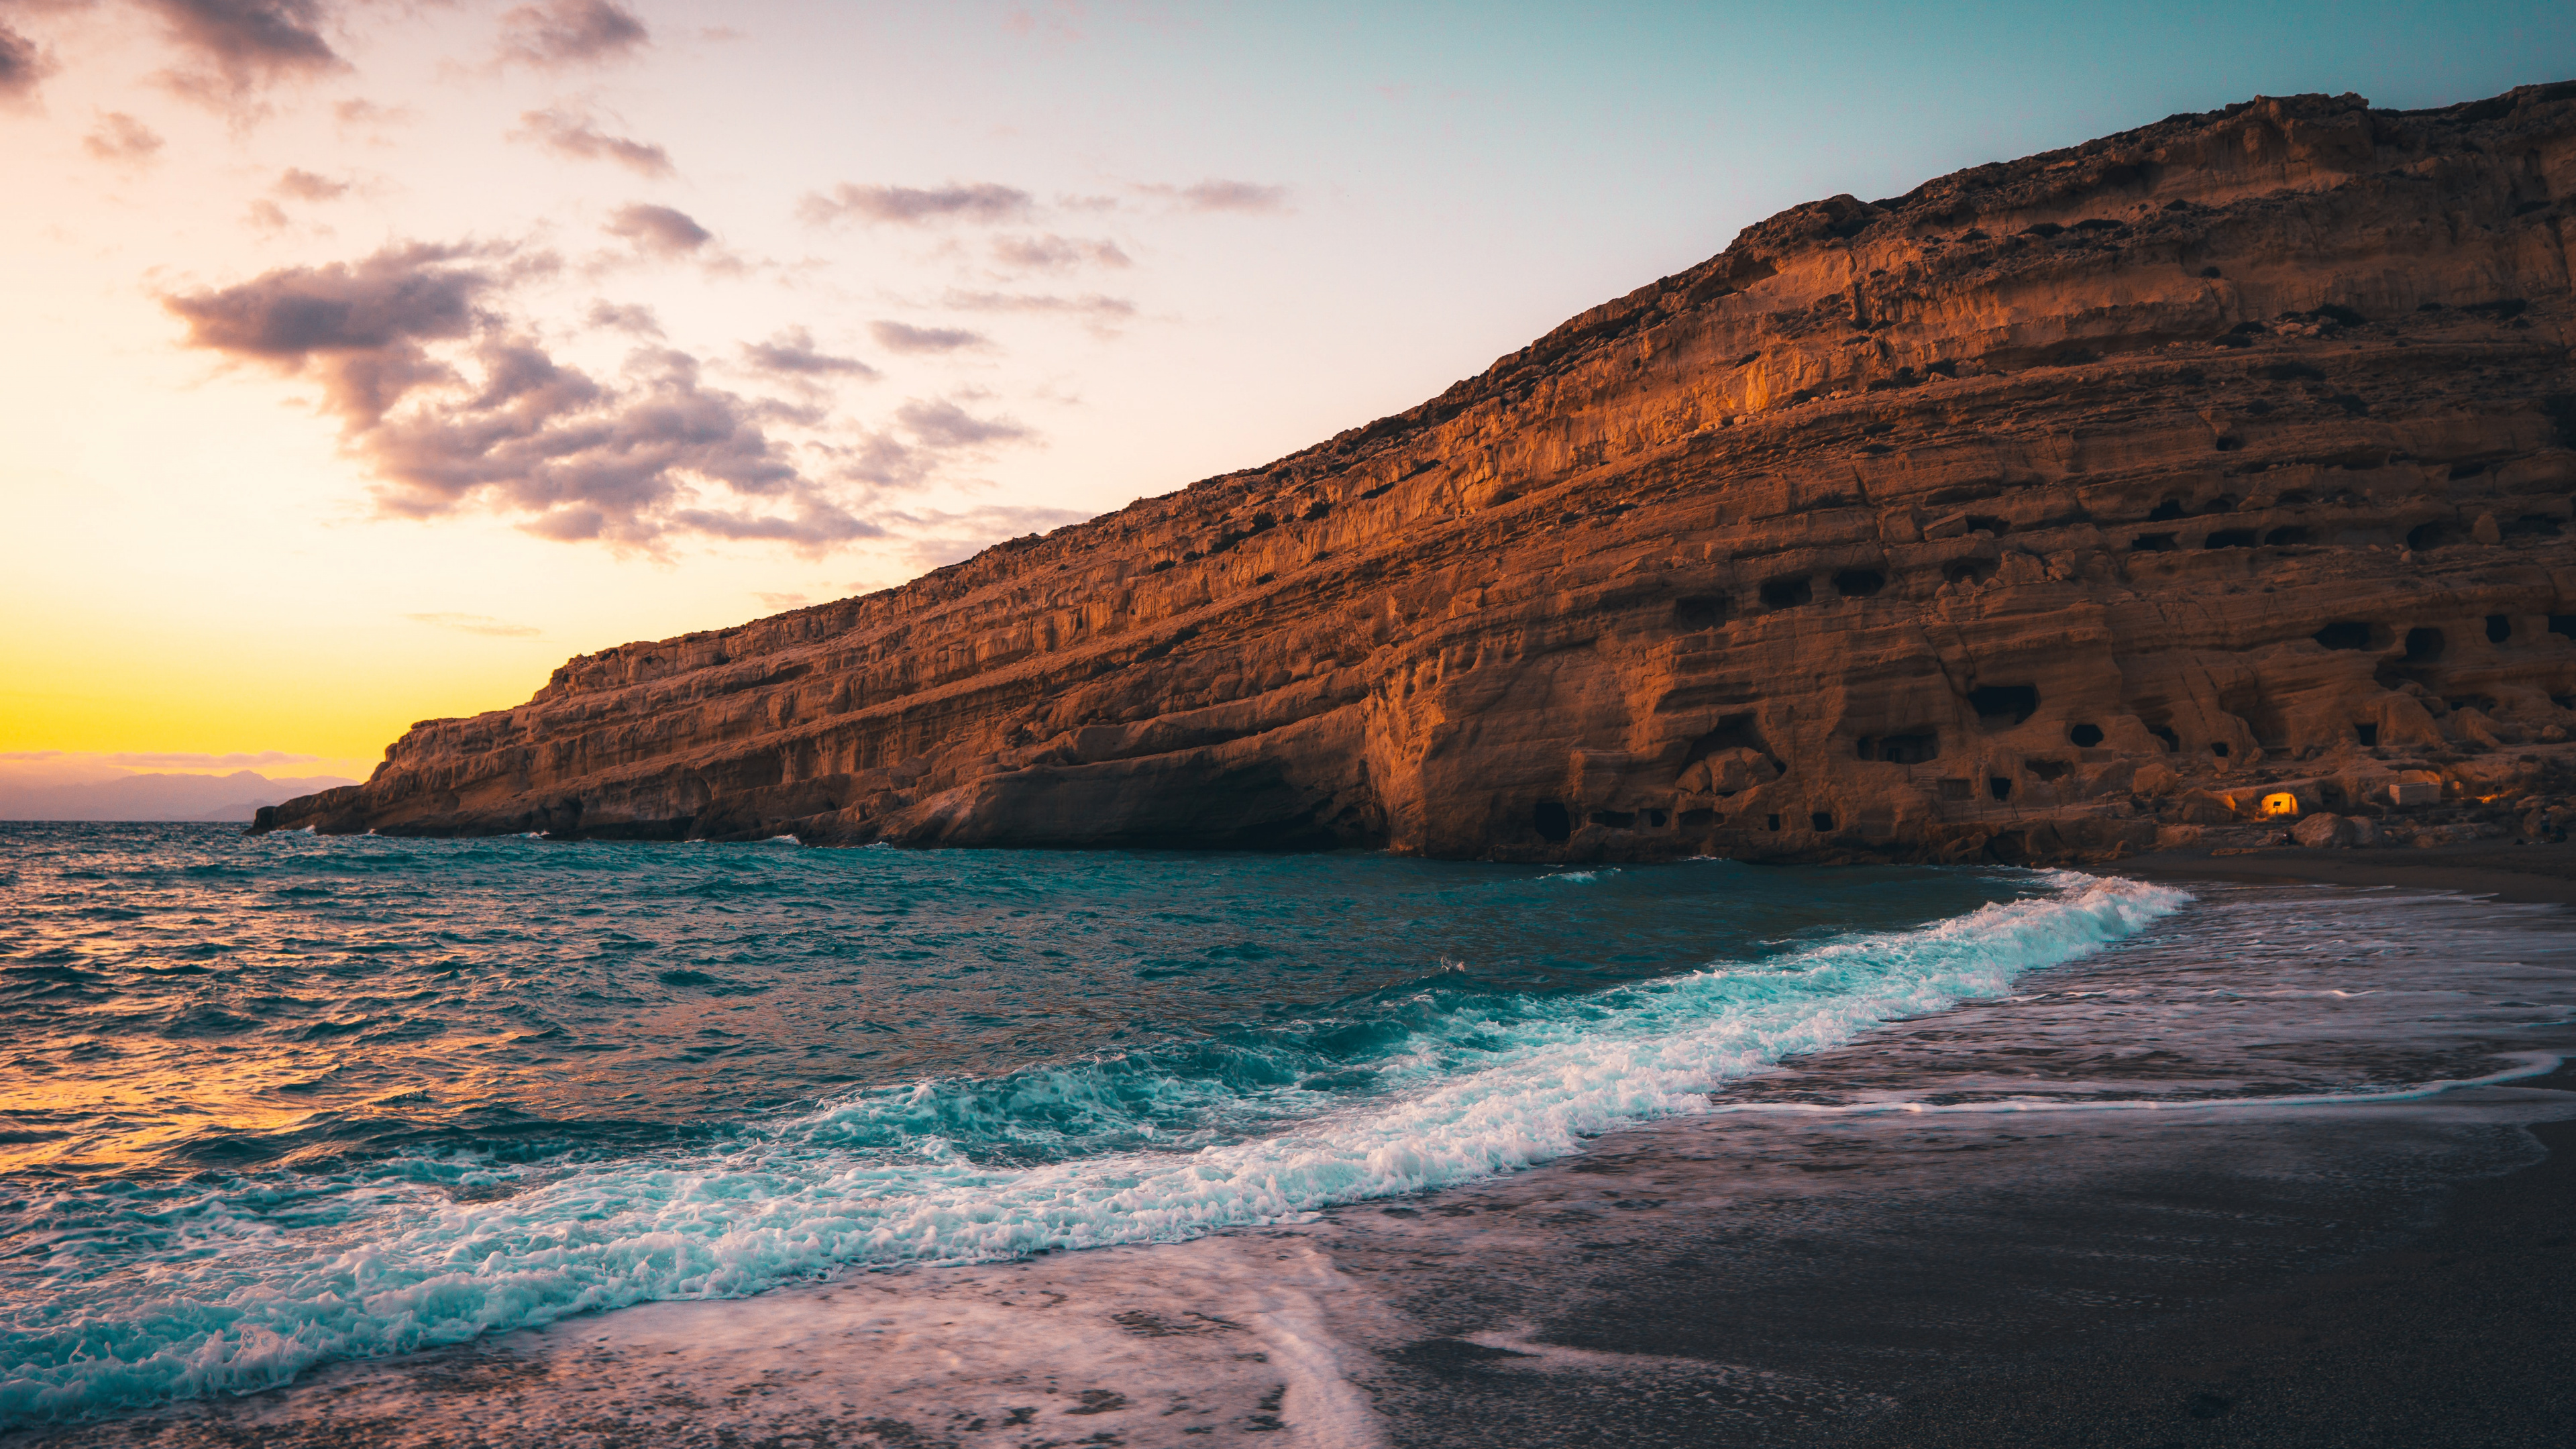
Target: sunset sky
[(365, 361)]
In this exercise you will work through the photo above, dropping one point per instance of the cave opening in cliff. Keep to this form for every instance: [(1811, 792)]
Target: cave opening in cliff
[(2168, 509), (1912, 748), (1988, 523), (1999, 786), (2499, 628), (1859, 583), (2229, 538), (2152, 543), (2220, 504), (2431, 535), (1700, 611), (1788, 593), (2084, 736), (2016, 702), (2424, 645), (2563, 624), (2344, 634), (2367, 734), (2288, 536), (1551, 821), (1821, 819), (2533, 525), (2218, 748)]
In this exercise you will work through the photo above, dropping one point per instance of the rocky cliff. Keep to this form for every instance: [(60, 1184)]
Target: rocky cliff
[(2049, 505)]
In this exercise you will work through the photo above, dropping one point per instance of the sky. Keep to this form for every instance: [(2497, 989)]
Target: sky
[(365, 361)]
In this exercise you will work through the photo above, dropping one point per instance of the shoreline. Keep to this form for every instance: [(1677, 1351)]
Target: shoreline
[(2538, 874), (2269, 1271)]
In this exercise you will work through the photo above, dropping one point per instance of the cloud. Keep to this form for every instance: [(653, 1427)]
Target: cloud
[(632, 317), (269, 216), (658, 230), (792, 353), (1216, 195), (946, 425), (900, 337), (559, 33), (359, 111), (22, 65), (120, 138), (160, 759), (304, 185), (483, 624), (1054, 253), (982, 201), (575, 136), (1093, 305), (456, 408), (240, 45), (947, 538)]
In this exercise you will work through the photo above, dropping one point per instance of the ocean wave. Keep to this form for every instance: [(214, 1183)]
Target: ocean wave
[(1407, 1090)]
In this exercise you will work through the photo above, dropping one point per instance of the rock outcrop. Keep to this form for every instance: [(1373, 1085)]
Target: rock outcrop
[(2051, 504)]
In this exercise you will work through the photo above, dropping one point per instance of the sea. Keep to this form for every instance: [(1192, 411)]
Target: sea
[(271, 1104)]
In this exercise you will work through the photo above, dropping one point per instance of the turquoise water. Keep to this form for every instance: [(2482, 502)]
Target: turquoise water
[(282, 1100)]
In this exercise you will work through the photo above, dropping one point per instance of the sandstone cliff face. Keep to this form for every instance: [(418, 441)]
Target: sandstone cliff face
[(2047, 505)]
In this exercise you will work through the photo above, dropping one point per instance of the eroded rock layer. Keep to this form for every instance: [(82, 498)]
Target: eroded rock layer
[(2050, 503)]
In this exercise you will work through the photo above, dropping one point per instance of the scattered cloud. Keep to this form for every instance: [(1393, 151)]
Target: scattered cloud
[(120, 138), (358, 111), (456, 408), (576, 136), (946, 425), (658, 231), (947, 538), (632, 317), (1093, 305), (164, 759), (982, 201), (237, 46), (902, 337), (483, 624), (559, 33), (1055, 253), (267, 215), (1218, 195), (305, 185), (792, 353), (22, 66)]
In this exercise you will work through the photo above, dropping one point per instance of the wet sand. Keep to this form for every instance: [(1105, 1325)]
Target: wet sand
[(1931, 1236)]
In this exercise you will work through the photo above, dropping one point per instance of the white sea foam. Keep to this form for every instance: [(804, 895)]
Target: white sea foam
[(1493, 1090)]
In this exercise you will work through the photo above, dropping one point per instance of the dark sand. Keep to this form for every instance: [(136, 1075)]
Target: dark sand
[(2532, 874)]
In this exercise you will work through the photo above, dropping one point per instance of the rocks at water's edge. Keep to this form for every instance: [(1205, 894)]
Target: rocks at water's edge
[(2051, 505)]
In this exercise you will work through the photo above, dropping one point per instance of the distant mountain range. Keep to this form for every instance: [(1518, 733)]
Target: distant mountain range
[(236, 796)]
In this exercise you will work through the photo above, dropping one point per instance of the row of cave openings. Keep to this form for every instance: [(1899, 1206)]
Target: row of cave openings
[(1707, 611), (2425, 644)]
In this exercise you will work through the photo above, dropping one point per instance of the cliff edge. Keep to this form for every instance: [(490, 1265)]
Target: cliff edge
[(2047, 507)]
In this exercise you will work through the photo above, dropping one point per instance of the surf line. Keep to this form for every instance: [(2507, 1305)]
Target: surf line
[(2530, 1064)]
